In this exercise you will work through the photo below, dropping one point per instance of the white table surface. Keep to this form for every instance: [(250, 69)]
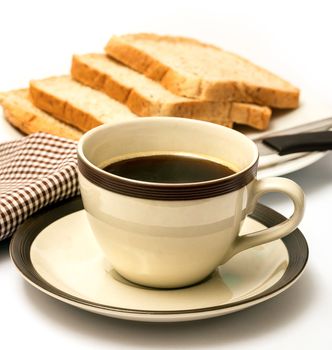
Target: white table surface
[(292, 39)]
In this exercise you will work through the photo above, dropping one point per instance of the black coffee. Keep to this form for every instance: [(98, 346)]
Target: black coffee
[(169, 169)]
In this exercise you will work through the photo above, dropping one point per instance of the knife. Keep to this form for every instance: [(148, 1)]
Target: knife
[(285, 145)]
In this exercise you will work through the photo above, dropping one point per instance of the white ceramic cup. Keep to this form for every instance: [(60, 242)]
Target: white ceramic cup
[(174, 235)]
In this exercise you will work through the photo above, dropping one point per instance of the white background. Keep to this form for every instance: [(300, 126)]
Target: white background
[(293, 39)]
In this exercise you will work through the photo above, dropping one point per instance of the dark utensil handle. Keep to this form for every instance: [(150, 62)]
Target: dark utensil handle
[(304, 142)]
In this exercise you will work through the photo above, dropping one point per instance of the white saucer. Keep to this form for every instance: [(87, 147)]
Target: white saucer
[(56, 252), (290, 166)]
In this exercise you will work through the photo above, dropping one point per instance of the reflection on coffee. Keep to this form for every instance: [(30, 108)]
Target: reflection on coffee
[(169, 168)]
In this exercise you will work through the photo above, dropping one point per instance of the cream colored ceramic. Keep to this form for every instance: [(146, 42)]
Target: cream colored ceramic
[(67, 257), (174, 243)]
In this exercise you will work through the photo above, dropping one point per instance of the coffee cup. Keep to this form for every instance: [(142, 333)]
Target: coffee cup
[(170, 235)]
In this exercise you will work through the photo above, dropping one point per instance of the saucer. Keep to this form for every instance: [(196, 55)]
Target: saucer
[(56, 252)]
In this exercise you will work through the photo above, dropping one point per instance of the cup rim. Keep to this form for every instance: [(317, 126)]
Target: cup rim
[(124, 185)]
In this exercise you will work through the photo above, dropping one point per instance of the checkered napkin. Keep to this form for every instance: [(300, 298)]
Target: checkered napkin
[(34, 171)]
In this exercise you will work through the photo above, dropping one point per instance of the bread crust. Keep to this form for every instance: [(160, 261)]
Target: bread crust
[(251, 115), (189, 86)]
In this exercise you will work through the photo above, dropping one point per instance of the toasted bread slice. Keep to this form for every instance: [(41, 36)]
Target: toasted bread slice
[(20, 112), (76, 104), (146, 97), (193, 69)]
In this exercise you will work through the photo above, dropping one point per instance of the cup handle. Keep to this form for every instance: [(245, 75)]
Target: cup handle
[(260, 187)]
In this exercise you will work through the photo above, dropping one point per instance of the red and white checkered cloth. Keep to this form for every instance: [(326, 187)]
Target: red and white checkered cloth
[(34, 171)]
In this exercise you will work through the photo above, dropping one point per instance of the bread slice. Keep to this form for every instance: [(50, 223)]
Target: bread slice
[(76, 104), (193, 69), (252, 115), (142, 95), (20, 112), (146, 97)]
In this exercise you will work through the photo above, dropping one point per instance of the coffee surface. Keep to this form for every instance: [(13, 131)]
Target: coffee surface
[(169, 169)]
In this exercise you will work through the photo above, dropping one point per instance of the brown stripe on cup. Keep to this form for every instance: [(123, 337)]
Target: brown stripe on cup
[(158, 191)]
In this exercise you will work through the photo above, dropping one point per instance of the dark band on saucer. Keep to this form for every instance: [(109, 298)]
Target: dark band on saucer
[(156, 191)]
